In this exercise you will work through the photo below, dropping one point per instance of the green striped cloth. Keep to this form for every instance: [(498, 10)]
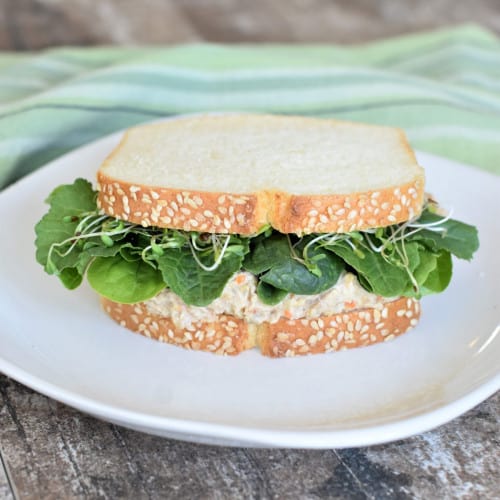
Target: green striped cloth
[(443, 88)]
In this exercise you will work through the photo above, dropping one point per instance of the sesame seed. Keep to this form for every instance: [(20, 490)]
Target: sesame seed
[(389, 337), (391, 218), (413, 321)]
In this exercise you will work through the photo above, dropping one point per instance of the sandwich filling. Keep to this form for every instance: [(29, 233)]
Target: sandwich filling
[(129, 263), (240, 299)]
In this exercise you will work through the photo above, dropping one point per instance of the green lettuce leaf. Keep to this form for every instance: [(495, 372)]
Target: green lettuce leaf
[(67, 204), (380, 276), (124, 281), (266, 252), (270, 295), (193, 284), (458, 238), (129, 263)]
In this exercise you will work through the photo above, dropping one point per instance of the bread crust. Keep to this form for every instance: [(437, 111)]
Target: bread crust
[(246, 214), (285, 338)]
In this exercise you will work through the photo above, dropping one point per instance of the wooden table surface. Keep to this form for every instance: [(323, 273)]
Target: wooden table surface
[(48, 450)]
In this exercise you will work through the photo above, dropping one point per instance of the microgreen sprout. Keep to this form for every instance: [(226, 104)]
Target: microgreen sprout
[(218, 251), (389, 242)]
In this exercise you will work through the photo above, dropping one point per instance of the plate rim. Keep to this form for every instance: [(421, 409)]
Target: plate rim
[(265, 437), (313, 438)]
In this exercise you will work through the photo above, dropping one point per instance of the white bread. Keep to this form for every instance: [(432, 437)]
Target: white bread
[(236, 173), (229, 335)]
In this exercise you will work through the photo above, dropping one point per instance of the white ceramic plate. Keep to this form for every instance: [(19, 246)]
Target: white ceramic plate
[(61, 344)]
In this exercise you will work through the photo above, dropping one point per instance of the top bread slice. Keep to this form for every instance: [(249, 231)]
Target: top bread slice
[(236, 173)]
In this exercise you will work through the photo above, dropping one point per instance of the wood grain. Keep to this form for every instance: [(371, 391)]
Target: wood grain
[(6, 492), (54, 451), (35, 24)]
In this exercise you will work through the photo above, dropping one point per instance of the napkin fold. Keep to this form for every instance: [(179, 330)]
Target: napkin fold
[(442, 87)]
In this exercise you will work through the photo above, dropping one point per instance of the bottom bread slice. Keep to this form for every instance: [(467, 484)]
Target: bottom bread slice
[(230, 335)]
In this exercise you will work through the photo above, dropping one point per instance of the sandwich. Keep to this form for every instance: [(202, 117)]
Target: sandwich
[(223, 233)]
